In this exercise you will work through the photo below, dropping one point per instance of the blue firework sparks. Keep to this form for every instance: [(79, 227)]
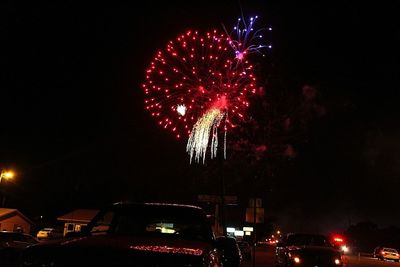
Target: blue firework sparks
[(245, 40)]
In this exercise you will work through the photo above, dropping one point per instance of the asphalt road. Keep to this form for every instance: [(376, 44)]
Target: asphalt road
[(354, 261), (265, 257)]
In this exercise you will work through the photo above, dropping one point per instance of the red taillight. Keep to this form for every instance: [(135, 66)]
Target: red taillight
[(383, 252)]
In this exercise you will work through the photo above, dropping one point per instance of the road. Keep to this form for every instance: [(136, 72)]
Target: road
[(354, 261), (265, 257)]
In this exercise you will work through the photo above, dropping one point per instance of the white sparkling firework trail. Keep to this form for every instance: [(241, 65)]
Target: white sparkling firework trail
[(199, 137)]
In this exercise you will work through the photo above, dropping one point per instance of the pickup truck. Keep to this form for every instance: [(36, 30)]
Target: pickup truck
[(135, 234)]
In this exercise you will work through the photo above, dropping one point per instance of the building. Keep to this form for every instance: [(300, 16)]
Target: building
[(13, 220), (74, 220)]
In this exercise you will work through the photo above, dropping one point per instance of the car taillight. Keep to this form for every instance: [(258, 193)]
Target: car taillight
[(212, 259), (383, 252)]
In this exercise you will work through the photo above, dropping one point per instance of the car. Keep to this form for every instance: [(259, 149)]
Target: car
[(245, 249), (304, 249), (231, 254), (135, 234), (385, 253), (11, 244), (339, 242), (48, 233), (16, 240)]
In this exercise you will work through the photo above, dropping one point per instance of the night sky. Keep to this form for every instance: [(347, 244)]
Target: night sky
[(75, 130)]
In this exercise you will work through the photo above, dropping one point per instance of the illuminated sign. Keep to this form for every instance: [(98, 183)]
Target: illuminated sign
[(230, 229), (239, 233)]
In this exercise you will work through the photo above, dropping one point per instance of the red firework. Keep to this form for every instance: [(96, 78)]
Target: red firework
[(194, 73)]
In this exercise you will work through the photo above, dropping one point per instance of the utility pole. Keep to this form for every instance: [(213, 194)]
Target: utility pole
[(223, 193), (254, 220), (254, 232), (6, 175)]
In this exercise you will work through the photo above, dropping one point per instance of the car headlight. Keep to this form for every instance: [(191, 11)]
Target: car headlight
[(338, 261), (295, 258), (345, 248)]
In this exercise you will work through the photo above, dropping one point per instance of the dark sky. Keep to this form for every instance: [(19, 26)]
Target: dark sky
[(74, 128)]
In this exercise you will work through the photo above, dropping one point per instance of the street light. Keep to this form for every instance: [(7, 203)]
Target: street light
[(6, 175)]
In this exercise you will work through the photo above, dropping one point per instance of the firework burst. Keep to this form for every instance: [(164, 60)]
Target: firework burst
[(244, 40), (193, 83)]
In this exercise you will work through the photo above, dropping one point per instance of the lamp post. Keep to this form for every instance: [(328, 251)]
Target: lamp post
[(6, 175)]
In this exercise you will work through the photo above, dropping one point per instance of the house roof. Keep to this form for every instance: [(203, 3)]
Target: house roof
[(7, 213), (79, 215)]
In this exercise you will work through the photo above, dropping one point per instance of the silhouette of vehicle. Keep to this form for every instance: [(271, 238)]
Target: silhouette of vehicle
[(298, 249), (135, 234)]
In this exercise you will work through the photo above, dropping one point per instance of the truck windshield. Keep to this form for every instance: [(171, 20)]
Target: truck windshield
[(153, 220)]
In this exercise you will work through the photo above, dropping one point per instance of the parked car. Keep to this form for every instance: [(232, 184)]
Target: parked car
[(16, 240), (384, 253), (231, 254), (135, 234), (11, 244), (49, 233), (298, 249), (245, 249)]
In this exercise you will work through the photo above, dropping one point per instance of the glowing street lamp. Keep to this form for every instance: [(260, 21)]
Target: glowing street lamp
[(6, 175)]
